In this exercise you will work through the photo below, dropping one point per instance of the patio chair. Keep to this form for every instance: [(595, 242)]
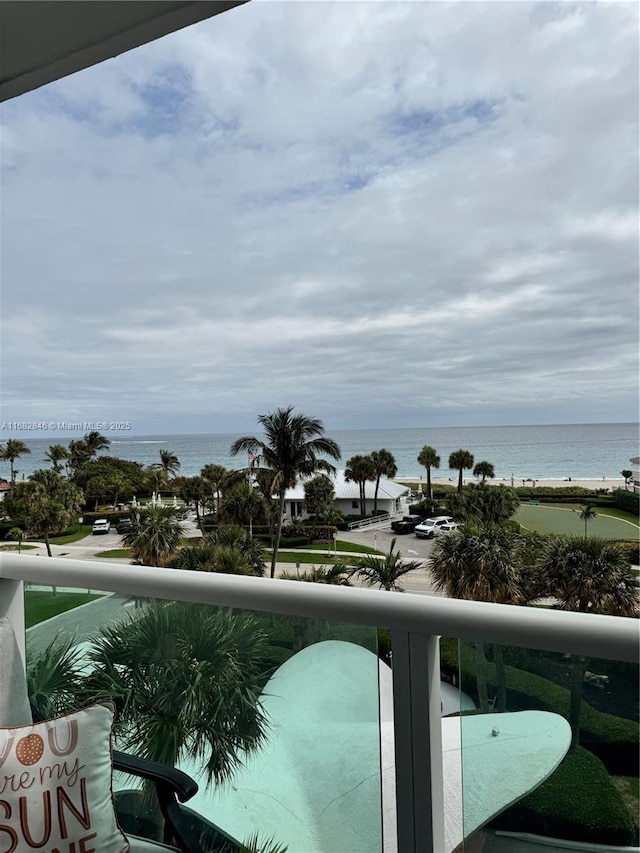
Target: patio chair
[(181, 827)]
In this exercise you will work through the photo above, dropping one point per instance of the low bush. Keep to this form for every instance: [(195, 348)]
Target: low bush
[(578, 802), (631, 551), (627, 501)]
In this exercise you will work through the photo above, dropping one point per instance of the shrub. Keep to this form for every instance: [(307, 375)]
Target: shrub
[(627, 501), (578, 802), (631, 551)]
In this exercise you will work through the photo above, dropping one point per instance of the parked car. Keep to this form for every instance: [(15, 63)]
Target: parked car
[(433, 526), (100, 525), (407, 524), (124, 525)]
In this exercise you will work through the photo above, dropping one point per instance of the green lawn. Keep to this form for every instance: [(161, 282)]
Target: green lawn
[(42, 604), (301, 557), (553, 519), (350, 547), (116, 553), (72, 534), (16, 547)]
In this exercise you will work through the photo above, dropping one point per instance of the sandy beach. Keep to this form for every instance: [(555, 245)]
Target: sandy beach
[(609, 484)]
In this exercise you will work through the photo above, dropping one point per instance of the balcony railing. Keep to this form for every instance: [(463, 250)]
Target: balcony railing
[(424, 802)]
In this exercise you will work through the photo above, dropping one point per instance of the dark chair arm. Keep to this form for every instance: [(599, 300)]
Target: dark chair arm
[(182, 785), (171, 785)]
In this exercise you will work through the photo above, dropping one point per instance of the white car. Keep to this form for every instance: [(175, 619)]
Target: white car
[(434, 526), (100, 525)]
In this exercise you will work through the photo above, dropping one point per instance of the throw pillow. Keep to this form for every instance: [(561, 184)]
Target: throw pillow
[(55, 786)]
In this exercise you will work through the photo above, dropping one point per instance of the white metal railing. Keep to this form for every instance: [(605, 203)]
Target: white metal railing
[(370, 522), (549, 630), (415, 622)]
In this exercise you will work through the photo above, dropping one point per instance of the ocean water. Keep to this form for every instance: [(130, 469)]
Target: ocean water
[(579, 451)]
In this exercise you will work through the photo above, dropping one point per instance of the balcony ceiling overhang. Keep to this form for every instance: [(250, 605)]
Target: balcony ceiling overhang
[(44, 40)]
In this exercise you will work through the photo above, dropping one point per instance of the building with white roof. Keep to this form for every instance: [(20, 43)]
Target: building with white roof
[(347, 497)]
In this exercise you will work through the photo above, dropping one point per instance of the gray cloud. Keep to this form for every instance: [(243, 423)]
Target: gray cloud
[(386, 214)]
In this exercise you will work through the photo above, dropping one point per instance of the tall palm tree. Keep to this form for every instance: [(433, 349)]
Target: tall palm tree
[(359, 469), (169, 463), (484, 469), (155, 478), (384, 465), (481, 563), (78, 454), (291, 448), (628, 475), (194, 490), (458, 461), (216, 476), (56, 454), (186, 679), (154, 536), (587, 512), (428, 457), (13, 449), (591, 575), (385, 572), (94, 442)]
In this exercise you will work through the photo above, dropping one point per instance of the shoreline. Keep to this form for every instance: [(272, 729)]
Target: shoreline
[(543, 482)]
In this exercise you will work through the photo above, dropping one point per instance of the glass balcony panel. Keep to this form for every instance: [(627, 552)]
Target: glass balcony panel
[(185, 679), (524, 772)]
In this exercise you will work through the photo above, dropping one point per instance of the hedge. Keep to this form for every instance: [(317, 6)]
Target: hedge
[(613, 739), (577, 802), (628, 501)]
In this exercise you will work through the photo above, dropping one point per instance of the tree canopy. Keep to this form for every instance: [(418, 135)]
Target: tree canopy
[(292, 447)]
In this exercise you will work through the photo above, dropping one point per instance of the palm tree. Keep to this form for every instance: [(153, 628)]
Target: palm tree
[(78, 454), (290, 449), (17, 535), (458, 461), (242, 503), (384, 465), (154, 536), (169, 463), (194, 490), (13, 449), (484, 469), (628, 475), (56, 454), (481, 563), (359, 469), (233, 536), (591, 575), (428, 457), (216, 476), (336, 575), (186, 679), (155, 478), (94, 442), (482, 503), (587, 512), (385, 572)]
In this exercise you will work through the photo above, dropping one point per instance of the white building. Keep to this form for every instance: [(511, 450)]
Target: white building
[(635, 473), (347, 497)]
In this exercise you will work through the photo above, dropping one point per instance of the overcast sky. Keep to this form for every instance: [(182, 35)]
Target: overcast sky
[(386, 214)]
